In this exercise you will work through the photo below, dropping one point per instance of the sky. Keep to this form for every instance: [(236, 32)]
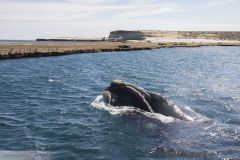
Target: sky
[(31, 19)]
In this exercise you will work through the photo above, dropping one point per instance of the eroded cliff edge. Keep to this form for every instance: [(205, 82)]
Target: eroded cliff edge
[(156, 35)]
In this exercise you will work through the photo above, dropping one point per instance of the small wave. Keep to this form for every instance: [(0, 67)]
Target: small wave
[(174, 152), (24, 155), (114, 110), (194, 116), (53, 80)]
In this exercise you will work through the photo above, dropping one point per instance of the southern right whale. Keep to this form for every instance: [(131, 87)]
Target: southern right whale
[(121, 93)]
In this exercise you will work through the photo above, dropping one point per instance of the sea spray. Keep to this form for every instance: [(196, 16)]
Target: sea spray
[(120, 110)]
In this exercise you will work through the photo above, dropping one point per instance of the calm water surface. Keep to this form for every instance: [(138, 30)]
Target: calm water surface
[(46, 111)]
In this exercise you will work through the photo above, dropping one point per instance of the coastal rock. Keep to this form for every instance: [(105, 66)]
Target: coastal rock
[(126, 35)]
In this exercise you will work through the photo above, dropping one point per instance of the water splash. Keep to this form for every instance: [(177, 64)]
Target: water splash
[(115, 110)]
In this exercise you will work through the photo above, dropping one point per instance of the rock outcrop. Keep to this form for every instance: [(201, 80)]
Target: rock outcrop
[(126, 35)]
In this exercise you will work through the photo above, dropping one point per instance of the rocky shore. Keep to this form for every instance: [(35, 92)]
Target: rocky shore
[(9, 50)]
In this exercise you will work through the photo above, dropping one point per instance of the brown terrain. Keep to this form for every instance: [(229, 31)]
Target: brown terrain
[(52, 48), (118, 41)]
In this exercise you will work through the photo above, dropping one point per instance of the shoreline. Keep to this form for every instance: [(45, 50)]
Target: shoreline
[(13, 50)]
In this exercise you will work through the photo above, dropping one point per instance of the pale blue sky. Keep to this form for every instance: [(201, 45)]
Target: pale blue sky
[(30, 19)]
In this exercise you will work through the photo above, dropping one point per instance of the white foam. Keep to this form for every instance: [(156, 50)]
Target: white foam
[(24, 155), (53, 80), (50, 80), (115, 110)]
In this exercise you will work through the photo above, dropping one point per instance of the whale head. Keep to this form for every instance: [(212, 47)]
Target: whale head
[(121, 93)]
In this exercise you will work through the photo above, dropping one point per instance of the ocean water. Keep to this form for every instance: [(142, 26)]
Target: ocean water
[(51, 107)]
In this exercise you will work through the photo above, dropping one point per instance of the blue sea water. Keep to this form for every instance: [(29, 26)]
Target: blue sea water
[(50, 107)]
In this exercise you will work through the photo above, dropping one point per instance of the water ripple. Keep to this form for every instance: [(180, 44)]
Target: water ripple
[(46, 108)]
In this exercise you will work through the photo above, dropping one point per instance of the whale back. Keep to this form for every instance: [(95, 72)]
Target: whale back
[(166, 107)]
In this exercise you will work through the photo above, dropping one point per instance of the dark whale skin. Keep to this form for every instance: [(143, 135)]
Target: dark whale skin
[(121, 93)]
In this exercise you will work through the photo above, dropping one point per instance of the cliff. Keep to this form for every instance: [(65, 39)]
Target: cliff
[(126, 35), (148, 34)]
